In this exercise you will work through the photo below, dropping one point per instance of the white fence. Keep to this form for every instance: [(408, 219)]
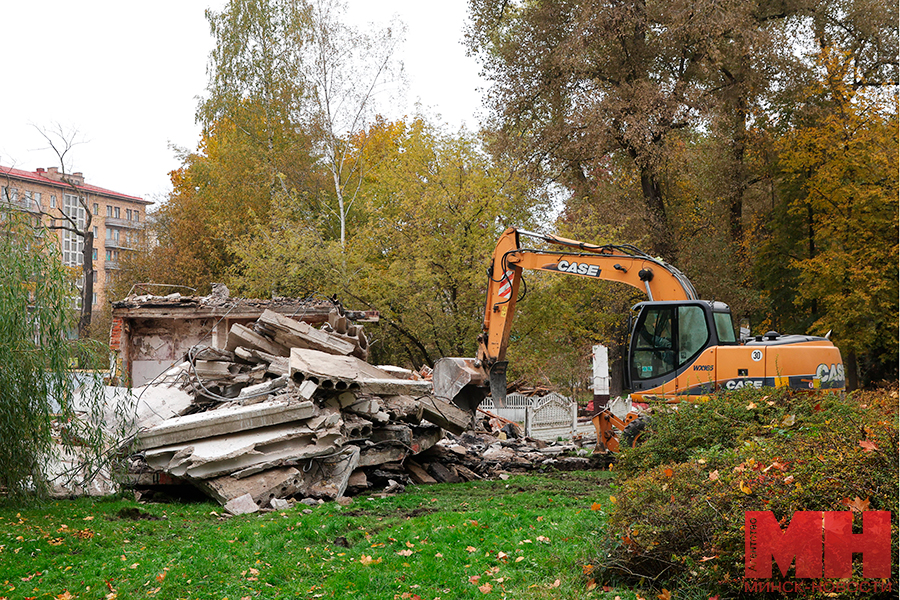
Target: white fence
[(547, 418)]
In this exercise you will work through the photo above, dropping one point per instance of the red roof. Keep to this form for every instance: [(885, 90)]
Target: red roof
[(41, 177)]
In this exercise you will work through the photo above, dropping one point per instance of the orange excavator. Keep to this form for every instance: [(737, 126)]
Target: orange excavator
[(680, 347)]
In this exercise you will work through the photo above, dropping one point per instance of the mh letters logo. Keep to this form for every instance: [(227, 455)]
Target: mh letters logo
[(822, 543)]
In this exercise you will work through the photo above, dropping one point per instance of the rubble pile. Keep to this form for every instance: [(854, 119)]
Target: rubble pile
[(287, 410)]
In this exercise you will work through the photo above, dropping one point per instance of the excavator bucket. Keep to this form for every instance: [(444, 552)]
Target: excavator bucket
[(462, 381)]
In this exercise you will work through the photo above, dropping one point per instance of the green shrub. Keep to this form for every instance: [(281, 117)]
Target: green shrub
[(679, 510)]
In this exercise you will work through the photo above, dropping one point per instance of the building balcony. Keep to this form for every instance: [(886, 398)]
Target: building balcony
[(111, 265), (118, 244), (113, 222)]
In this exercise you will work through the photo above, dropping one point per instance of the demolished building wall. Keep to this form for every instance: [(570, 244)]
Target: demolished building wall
[(150, 333)]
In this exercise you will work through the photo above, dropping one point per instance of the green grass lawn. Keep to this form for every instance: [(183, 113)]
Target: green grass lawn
[(527, 537)]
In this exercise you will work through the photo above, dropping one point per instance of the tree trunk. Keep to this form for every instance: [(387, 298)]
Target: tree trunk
[(662, 242), (87, 269)]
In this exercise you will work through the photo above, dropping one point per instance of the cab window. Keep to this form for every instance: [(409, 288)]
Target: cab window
[(666, 338), (724, 327)]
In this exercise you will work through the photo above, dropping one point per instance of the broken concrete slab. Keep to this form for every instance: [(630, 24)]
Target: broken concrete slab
[(264, 388), (446, 415), (393, 386), (243, 452), (279, 482), (242, 505), (333, 474), (219, 422), (240, 335), (157, 403), (332, 372), (296, 334)]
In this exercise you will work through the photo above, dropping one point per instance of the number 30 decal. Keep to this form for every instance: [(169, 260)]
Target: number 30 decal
[(756, 355)]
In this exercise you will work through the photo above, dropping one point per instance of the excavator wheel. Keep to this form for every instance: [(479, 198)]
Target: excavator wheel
[(635, 432)]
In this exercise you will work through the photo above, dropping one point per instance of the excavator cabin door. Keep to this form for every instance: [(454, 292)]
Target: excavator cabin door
[(667, 338)]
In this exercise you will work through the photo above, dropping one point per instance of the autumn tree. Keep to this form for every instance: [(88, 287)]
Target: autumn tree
[(833, 250), (577, 83)]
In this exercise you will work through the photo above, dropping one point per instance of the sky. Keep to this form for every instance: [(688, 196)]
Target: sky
[(123, 80)]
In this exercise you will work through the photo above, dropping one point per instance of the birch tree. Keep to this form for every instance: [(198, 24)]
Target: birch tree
[(348, 72)]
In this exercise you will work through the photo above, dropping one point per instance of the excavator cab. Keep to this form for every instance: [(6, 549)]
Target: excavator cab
[(667, 338)]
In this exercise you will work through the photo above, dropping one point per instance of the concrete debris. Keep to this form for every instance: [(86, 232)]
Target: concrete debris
[(286, 410), (241, 505)]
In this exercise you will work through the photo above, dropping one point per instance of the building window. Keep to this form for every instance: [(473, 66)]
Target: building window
[(94, 300), (52, 201), (94, 257), (137, 217), (127, 214), (73, 244), (108, 255), (108, 210), (9, 194), (118, 213), (37, 200), (95, 233), (96, 208)]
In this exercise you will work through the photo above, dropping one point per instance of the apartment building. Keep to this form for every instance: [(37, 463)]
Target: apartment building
[(116, 219)]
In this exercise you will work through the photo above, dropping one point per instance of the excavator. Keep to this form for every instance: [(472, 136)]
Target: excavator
[(680, 347)]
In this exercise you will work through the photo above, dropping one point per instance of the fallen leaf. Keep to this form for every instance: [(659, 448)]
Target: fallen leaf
[(744, 487), (857, 504), (520, 558), (665, 595), (368, 560), (868, 446), (668, 472), (88, 519), (409, 545), (502, 555), (596, 506), (586, 569), (254, 571), (161, 576), (65, 596), (706, 558), (612, 499), (471, 549), (438, 555), (789, 420), (405, 552), (591, 584), (714, 476), (484, 589), (751, 406), (555, 584), (474, 579), (789, 479), (541, 538)]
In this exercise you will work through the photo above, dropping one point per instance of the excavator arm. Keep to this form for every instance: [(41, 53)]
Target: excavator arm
[(625, 264), (465, 381)]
